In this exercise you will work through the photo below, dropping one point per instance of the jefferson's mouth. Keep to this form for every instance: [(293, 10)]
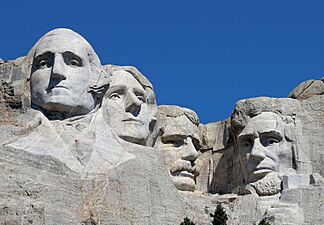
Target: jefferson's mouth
[(132, 120), (49, 89)]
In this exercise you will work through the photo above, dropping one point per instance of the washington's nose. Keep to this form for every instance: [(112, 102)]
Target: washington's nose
[(132, 104), (58, 69), (257, 151), (189, 151)]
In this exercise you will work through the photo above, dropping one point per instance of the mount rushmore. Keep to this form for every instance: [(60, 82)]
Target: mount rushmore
[(86, 143)]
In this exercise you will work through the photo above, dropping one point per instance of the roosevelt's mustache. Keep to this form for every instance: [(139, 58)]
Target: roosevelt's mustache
[(184, 165)]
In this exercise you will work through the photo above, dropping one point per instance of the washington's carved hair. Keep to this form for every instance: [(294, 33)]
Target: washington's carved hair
[(93, 58)]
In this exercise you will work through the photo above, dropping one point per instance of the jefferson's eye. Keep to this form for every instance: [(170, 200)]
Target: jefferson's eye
[(114, 96), (141, 98)]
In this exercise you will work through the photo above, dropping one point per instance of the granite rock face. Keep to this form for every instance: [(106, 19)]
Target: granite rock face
[(96, 149)]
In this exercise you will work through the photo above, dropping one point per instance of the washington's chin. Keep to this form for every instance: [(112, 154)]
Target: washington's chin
[(67, 107), (184, 183), (64, 102)]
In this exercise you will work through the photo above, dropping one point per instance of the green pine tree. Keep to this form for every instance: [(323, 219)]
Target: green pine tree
[(264, 222), (219, 216), (187, 221)]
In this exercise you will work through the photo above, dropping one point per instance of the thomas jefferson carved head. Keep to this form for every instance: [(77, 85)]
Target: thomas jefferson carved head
[(178, 141), (129, 105), (64, 67)]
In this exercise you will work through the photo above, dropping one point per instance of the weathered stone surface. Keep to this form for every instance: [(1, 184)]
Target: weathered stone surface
[(213, 135), (307, 89), (14, 91), (86, 159)]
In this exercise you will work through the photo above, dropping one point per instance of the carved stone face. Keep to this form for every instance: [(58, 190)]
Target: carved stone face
[(125, 108), (61, 75), (178, 144), (261, 145)]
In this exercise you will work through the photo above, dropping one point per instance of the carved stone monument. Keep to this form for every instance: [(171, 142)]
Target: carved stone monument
[(178, 142), (85, 143)]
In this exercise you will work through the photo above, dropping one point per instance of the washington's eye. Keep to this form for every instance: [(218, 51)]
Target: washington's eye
[(75, 62), (72, 59), (114, 96), (42, 63)]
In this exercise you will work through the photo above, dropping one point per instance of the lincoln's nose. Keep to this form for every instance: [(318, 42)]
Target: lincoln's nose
[(257, 151)]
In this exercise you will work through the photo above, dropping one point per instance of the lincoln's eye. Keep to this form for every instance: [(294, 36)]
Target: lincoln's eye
[(174, 141), (272, 141)]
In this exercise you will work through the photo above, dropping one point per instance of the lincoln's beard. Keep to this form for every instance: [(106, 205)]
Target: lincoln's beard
[(269, 185)]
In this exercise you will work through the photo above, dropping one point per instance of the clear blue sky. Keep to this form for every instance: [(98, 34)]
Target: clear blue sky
[(203, 55)]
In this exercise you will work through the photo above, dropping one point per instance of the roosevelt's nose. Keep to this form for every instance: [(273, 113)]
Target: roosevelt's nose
[(58, 69), (257, 151), (132, 104), (189, 151)]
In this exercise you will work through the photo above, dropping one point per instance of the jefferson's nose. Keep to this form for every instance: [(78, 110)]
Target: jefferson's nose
[(132, 104), (257, 151), (189, 151), (58, 69)]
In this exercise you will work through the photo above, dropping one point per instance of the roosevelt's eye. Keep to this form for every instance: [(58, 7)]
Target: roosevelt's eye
[(246, 143), (271, 141), (114, 96)]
